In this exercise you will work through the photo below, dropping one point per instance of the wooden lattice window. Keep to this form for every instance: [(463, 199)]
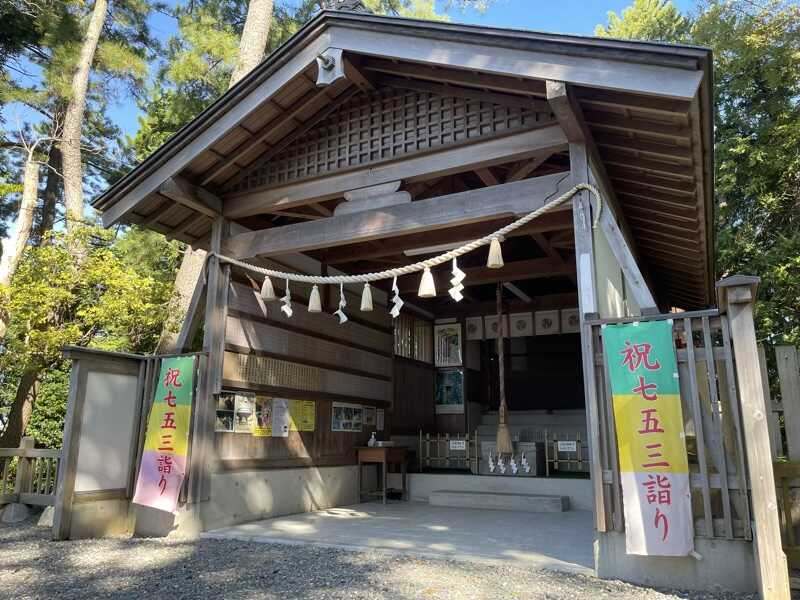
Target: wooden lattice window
[(383, 126)]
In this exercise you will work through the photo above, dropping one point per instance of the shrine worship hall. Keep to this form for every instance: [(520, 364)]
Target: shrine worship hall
[(455, 298)]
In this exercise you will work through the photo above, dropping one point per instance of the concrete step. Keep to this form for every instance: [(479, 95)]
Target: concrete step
[(499, 501)]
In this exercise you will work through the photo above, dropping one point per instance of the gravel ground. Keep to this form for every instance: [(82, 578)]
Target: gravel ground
[(32, 566)]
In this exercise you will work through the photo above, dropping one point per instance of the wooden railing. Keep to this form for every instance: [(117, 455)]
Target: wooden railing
[(28, 475), (783, 418), (712, 422)]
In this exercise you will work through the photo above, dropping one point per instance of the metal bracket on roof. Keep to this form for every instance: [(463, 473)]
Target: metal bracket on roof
[(330, 67)]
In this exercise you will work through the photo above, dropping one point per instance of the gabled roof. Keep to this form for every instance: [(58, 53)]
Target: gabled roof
[(648, 105)]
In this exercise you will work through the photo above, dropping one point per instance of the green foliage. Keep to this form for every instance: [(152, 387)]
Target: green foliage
[(646, 20), (47, 420), (757, 122), (113, 297)]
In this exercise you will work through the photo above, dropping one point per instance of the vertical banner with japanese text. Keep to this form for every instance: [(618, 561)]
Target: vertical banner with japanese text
[(654, 467), (166, 443)]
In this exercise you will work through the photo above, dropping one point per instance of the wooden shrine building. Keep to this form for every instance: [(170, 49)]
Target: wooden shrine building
[(366, 143)]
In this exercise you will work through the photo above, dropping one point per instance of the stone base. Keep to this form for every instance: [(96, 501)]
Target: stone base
[(15, 513), (46, 518), (499, 501), (726, 565)]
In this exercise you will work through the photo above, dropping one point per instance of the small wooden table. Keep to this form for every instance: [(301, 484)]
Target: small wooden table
[(382, 455)]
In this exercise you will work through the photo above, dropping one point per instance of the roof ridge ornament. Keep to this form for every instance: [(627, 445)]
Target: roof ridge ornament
[(348, 5)]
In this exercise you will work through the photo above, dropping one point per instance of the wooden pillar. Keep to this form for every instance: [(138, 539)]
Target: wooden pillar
[(587, 304), (210, 371), (737, 296)]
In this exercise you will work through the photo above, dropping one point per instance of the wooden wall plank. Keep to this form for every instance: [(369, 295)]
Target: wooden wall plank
[(249, 369), (789, 376), (248, 301), (274, 340)]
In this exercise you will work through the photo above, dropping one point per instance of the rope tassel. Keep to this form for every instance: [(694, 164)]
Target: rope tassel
[(427, 288), (342, 303), (366, 298), (267, 291), (458, 277), (314, 302), (495, 254), (287, 302), (397, 302)]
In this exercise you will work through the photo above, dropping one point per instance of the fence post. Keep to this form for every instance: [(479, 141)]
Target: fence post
[(22, 483), (789, 377), (773, 423), (737, 295)]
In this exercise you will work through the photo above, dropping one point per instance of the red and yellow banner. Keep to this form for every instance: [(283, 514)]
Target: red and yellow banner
[(166, 445), (654, 467)]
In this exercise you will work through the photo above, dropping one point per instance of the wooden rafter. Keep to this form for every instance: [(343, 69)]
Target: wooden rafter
[(298, 132), (519, 270)]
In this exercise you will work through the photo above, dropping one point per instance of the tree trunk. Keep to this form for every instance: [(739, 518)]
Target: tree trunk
[(185, 282), (73, 118), (251, 52), (21, 411), (27, 208), (52, 188), (254, 38)]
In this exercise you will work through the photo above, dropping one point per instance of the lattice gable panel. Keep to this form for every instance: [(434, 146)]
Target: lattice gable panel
[(385, 125)]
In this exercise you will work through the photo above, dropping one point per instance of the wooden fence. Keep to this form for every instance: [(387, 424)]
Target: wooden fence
[(712, 423), (782, 395), (29, 475)]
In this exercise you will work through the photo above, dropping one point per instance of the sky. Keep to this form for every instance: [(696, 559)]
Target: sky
[(563, 16)]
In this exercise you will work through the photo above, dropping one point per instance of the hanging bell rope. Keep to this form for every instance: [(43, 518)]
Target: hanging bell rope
[(424, 265)]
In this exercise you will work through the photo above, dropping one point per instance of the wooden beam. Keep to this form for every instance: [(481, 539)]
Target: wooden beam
[(192, 319), (546, 302), (679, 83), (612, 221), (486, 176), (653, 148), (544, 244), (424, 165), (423, 215), (258, 137), (525, 168), (353, 72), (553, 221), (622, 253), (614, 122), (191, 196), (608, 99), (446, 89), (534, 268), (465, 78)]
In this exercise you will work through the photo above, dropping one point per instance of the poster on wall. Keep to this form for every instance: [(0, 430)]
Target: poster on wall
[(450, 392), (166, 444), (262, 424), (447, 345), (280, 417), (346, 417), (276, 417), (369, 418), (654, 467), (302, 415), (235, 412)]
